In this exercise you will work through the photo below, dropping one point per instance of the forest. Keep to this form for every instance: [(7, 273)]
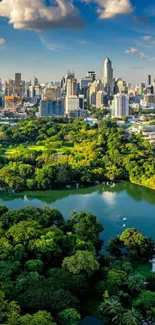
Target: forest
[(55, 271), (50, 153)]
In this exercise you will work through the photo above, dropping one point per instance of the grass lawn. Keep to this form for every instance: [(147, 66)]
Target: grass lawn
[(144, 268), (16, 150)]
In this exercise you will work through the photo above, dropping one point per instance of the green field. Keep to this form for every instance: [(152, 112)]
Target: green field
[(16, 150)]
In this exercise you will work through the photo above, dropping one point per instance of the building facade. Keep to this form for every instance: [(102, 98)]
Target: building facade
[(17, 83), (120, 105), (51, 108), (108, 77)]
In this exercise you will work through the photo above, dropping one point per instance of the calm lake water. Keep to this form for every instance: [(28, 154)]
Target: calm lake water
[(110, 204)]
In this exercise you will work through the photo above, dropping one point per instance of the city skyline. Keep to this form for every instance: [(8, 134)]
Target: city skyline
[(79, 36)]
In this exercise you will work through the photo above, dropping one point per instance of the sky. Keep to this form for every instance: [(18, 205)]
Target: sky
[(45, 38)]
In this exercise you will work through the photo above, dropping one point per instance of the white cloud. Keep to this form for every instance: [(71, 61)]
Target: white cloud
[(148, 39), (131, 50), (2, 41), (142, 55), (35, 15), (110, 8)]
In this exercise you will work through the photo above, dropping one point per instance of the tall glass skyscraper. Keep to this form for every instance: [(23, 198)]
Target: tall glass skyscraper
[(108, 77)]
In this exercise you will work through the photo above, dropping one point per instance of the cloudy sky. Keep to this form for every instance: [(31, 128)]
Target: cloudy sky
[(48, 37)]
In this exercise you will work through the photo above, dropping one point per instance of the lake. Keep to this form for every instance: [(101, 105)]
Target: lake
[(111, 204)]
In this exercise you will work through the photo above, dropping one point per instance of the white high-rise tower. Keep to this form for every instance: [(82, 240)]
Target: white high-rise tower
[(108, 76), (120, 105)]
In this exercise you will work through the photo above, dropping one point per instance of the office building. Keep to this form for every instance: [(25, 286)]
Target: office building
[(52, 93), (120, 105), (71, 84), (85, 82), (71, 87), (120, 86), (140, 88), (81, 101), (17, 83), (153, 85), (101, 99), (149, 99), (0, 85), (37, 91), (92, 75), (36, 82), (93, 89), (71, 104), (149, 80), (51, 108), (108, 77)]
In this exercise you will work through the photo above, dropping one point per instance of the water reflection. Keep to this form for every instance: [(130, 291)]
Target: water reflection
[(109, 197), (125, 205)]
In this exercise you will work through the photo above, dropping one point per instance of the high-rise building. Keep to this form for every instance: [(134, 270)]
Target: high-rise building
[(120, 86), (17, 83), (108, 77), (52, 93), (92, 75), (81, 101), (71, 104), (120, 105), (101, 99), (93, 89), (0, 85), (36, 82), (51, 108), (149, 80), (71, 84), (149, 99), (153, 84), (140, 88)]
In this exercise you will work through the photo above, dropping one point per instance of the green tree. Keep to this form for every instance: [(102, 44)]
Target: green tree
[(114, 246), (112, 311), (69, 317), (23, 232), (132, 317), (40, 318), (115, 280), (136, 282), (145, 301), (81, 262), (151, 314), (87, 226)]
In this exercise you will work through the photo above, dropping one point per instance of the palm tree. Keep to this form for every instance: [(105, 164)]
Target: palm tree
[(132, 317), (119, 318), (112, 310), (151, 314)]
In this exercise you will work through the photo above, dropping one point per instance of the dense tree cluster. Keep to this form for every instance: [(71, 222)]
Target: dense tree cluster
[(48, 153), (50, 267), (46, 265)]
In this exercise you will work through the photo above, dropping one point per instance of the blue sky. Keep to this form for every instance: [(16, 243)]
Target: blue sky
[(48, 37)]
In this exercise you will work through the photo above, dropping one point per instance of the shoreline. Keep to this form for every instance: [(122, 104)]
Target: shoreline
[(143, 185)]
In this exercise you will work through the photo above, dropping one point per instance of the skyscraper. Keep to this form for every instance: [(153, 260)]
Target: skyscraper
[(149, 80), (71, 84), (17, 83), (108, 77), (91, 74), (120, 105)]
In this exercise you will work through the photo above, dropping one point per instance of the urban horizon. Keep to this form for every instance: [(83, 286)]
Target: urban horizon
[(47, 38)]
